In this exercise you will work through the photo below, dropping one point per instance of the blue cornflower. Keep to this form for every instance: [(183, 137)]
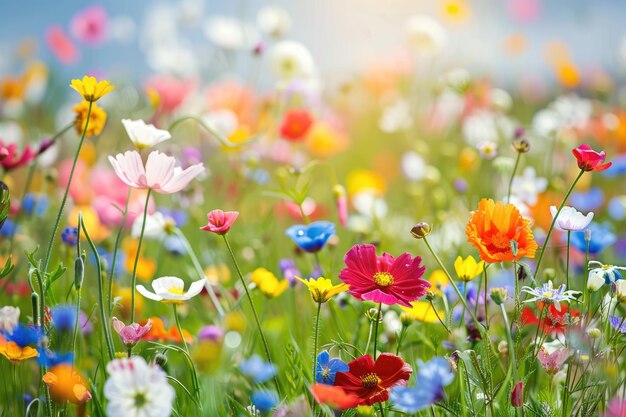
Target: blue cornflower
[(180, 217), (617, 208), (618, 323), (69, 236), (588, 200), (327, 368), (617, 168), (63, 316), (264, 400), (258, 369), (174, 245), (107, 257), (601, 238), (28, 203), (313, 237), (24, 335), (8, 228), (34, 204), (431, 379), (49, 358)]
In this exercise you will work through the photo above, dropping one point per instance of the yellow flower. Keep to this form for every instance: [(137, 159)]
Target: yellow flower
[(97, 119), (423, 311), (323, 141), (91, 89), (467, 269), (361, 180), (438, 281), (322, 289), (15, 353), (268, 283)]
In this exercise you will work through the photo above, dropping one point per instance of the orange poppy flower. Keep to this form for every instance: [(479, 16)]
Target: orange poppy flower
[(160, 332), (492, 228), (13, 352), (67, 384)]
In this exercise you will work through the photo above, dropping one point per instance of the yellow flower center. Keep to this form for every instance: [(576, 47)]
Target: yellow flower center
[(501, 241), (176, 290), (370, 380), (383, 279), (547, 294)]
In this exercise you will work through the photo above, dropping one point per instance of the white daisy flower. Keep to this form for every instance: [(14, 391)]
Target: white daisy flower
[(425, 35), (528, 186), (273, 21), (290, 59), (571, 219), (171, 290), (157, 226), (144, 135), (137, 389), (9, 317)]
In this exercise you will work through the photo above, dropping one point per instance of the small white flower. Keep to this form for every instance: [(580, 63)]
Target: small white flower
[(603, 274), (620, 291), (488, 150), (528, 186), (292, 59), (273, 21), (171, 290), (370, 205), (9, 317), (137, 389), (223, 121), (229, 33), (396, 117), (481, 126), (548, 294), (156, 226), (144, 135), (501, 100), (425, 35), (414, 166), (571, 219)]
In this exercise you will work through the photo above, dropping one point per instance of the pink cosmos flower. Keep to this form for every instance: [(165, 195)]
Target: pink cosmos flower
[(160, 173), (170, 90), (552, 362), (133, 333), (220, 221), (383, 279), (11, 158), (616, 408), (90, 25), (61, 45)]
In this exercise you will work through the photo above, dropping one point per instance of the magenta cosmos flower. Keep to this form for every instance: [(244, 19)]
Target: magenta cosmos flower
[(220, 221), (383, 279), (160, 173), (133, 333)]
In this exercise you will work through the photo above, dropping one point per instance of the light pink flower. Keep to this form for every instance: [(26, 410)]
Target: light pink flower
[(160, 173), (552, 362), (616, 408), (172, 91), (220, 221), (90, 25), (133, 333), (61, 45)]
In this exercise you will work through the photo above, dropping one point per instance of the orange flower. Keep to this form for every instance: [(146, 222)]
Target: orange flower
[(160, 332), (66, 384), (492, 228), (15, 353)]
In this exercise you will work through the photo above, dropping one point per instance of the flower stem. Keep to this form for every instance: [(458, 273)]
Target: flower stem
[(198, 267), (567, 261), (545, 243), (133, 280), (508, 194), (180, 329), (507, 326), (254, 312), (113, 261), (380, 306), (316, 338), (67, 190)]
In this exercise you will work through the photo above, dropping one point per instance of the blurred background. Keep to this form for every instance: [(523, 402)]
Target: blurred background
[(514, 42)]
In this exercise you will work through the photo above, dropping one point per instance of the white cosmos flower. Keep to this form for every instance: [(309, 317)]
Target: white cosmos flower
[(137, 389), (292, 59), (425, 35), (528, 186), (144, 135), (156, 226), (396, 117), (9, 317), (273, 21), (230, 33), (571, 219), (171, 290)]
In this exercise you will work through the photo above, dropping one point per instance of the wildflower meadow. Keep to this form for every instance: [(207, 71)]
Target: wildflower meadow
[(228, 225)]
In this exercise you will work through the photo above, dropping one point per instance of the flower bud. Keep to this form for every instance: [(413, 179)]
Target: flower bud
[(420, 230), (498, 295), (521, 145), (430, 295), (517, 395), (503, 348), (160, 359), (587, 235), (549, 274), (406, 319), (34, 299), (373, 313), (593, 333), (79, 272)]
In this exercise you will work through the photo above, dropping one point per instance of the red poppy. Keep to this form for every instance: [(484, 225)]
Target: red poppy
[(590, 160), (555, 321), (334, 397), (369, 380), (295, 125)]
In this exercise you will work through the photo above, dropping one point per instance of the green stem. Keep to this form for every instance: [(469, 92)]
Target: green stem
[(180, 329), (65, 194), (200, 272), (485, 266), (377, 322), (133, 280), (547, 240), (508, 194), (114, 260), (586, 295), (43, 369), (511, 344), (77, 322), (567, 261), (316, 338), (254, 312)]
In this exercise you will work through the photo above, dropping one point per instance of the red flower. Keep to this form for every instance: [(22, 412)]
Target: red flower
[(334, 397), (220, 221), (11, 158), (590, 160), (517, 395), (554, 321), (295, 124), (383, 279), (369, 380)]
